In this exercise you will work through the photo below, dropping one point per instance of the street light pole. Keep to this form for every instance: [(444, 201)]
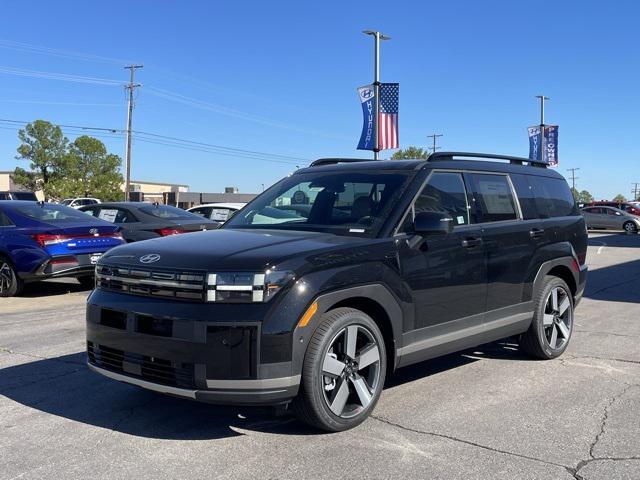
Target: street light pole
[(376, 82), (542, 99), (131, 87)]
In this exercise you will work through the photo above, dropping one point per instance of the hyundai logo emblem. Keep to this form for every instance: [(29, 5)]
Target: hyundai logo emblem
[(93, 231), (149, 258)]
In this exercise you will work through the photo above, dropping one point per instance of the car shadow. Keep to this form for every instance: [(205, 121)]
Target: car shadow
[(608, 239), (65, 387), (50, 288)]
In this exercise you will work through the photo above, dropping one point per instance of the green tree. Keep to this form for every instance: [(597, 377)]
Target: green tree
[(90, 171), (619, 198), (575, 193), (410, 153), (45, 147), (585, 197)]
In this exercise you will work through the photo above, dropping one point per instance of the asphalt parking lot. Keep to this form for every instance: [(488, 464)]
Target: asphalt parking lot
[(485, 413)]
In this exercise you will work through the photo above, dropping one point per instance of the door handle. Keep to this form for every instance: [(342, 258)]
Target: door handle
[(471, 242), (536, 232)]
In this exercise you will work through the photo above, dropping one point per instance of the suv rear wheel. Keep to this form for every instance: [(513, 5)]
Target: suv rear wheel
[(343, 371), (10, 283), (550, 330)]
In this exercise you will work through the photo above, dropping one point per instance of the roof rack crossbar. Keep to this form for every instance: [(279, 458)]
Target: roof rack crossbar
[(489, 156), (331, 161)]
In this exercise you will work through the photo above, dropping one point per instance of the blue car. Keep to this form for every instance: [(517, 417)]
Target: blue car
[(44, 240)]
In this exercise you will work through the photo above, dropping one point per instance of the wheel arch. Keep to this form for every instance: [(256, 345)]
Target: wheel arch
[(565, 268), (375, 300)]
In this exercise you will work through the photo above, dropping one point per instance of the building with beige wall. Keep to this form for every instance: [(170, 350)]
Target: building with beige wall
[(6, 183)]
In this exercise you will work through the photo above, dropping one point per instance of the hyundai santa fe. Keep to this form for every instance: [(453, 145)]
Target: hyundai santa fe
[(339, 274)]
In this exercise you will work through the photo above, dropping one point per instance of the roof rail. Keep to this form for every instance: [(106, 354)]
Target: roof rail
[(331, 161), (489, 156)]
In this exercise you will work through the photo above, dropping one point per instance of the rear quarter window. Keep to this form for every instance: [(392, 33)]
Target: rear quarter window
[(553, 197)]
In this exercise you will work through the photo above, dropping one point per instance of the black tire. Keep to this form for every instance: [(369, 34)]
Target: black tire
[(10, 284), (311, 406), (88, 282), (537, 341), (630, 227)]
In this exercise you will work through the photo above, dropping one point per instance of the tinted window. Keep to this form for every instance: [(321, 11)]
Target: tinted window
[(50, 213), (202, 212), (611, 211), (494, 197), (115, 215), (4, 220), (24, 196), (445, 193), (553, 197), (353, 202), (166, 211), (525, 196), (4, 196), (592, 210)]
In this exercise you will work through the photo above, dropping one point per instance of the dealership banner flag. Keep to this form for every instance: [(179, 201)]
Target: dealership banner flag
[(535, 143), (367, 96), (550, 151), (388, 121)]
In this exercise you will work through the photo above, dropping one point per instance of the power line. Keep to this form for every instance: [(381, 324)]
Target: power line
[(65, 77), (176, 142)]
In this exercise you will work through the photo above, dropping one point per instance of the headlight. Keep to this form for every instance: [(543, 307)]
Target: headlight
[(245, 287)]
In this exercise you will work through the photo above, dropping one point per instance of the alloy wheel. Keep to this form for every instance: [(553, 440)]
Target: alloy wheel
[(629, 227), (558, 318), (351, 371), (6, 277)]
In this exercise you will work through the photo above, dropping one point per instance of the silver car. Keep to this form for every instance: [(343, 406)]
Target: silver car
[(611, 218)]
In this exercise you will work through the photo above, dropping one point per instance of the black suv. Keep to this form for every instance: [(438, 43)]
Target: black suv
[(339, 274)]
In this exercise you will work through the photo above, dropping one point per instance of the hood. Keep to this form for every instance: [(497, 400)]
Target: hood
[(230, 249)]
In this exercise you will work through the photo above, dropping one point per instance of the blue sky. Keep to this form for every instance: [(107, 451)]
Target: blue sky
[(281, 78)]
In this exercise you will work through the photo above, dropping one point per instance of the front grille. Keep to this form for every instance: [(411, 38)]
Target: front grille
[(153, 369), (181, 285)]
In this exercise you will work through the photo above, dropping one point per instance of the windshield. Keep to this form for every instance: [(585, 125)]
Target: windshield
[(66, 202), (25, 196), (166, 211), (51, 213), (343, 202)]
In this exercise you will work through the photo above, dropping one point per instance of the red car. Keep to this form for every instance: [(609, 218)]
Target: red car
[(626, 206)]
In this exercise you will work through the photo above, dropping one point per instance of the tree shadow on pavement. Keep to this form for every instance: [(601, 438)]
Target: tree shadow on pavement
[(607, 239), (615, 283)]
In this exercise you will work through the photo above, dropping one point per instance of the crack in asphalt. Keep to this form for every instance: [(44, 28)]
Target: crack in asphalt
[(467, 442), (603, 425), (607, 333)]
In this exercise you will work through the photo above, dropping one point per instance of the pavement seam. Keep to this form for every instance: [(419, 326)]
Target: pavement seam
[(635, 362), (607, 333), (468, 442)]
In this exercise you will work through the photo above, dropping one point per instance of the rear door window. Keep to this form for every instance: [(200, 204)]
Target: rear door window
[(494, 197), (553, 197)]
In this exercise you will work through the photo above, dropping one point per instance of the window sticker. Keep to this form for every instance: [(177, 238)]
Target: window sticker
[(108, 215)]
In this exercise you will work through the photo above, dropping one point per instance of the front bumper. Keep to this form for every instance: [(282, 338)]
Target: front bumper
[(183, 354)]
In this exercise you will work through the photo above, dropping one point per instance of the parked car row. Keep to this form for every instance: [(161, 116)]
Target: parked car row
[(611, 218)]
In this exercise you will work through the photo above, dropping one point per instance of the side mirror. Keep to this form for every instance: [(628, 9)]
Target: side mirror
[(432, 223)]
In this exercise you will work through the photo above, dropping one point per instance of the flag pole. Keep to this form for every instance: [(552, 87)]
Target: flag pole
[(376, 85), (542, 99)]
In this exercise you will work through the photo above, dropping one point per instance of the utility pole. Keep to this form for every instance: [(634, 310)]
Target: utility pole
[(131, 87), (376, 83), (542, 98), (635, 190), (573, 176), (434, 137)]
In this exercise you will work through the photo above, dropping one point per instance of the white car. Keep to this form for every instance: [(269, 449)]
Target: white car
[(218, 212), (79, 202)]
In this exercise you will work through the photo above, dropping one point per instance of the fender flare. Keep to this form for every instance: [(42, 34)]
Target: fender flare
[(374, 292)]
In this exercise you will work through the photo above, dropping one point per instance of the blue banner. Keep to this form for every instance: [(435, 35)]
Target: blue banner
[(367, 96), (550, 151), (535, 143)]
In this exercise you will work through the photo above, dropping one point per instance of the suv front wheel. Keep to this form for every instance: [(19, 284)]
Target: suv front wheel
[(343, 371), (550, 330)]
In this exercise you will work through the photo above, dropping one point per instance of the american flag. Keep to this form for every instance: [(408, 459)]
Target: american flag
[(388, 121)]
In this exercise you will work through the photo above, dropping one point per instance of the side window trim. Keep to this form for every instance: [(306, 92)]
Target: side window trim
[(411, 208)]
